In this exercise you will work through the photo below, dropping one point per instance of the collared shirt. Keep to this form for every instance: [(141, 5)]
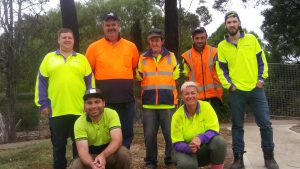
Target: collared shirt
[(204, 124), (97, 133), (61, 83), (242, 64)]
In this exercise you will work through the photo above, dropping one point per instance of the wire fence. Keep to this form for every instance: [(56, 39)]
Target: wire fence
[(283, 89)]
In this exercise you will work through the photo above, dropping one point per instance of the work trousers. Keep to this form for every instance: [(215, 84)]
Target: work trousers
[(126, 115), (213, 152), (61, 128), (257, 101)]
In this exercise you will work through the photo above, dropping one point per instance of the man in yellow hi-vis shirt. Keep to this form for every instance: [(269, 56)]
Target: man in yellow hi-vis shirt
[(242, 69)]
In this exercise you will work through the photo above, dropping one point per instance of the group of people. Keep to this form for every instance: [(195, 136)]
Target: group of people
[(90, 98)]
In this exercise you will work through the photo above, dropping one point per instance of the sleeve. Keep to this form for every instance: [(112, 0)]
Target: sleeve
[(79, 129), (90, 55), (89, 77), (177, 127), (176, 72), (114, 120), (211, 123), (139, 72), (222, 70), (135, 56), (182, 147), (41, 87), (186, 68), (261, 62)]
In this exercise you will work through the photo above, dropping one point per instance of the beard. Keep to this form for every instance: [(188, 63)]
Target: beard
[(233, 31)]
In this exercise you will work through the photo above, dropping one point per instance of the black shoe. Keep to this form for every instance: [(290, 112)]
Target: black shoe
[(238, 162), (270, 162)]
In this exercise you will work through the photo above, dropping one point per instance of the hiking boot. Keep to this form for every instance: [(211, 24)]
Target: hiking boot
[(270, 162), (238, 162)]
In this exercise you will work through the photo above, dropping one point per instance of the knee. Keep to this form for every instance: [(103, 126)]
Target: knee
[(218, 143), (181, 164), (124, 157)]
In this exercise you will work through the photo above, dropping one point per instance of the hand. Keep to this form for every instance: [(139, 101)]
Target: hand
[(46, 112), (100, 161), (195, 144), (260, 84), (232, 88), (94, 165)]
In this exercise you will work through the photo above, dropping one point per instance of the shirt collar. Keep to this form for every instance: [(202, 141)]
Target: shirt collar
[(163, 52), (186, 112), (242, 35), (59, 53)]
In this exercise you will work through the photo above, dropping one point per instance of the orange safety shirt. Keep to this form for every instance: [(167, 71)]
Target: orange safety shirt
[(113, 66), (158, 85), (200, 68)]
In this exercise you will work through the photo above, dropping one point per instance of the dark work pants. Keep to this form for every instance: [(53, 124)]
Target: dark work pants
[(61, 128), (258, 102), (126, 115)]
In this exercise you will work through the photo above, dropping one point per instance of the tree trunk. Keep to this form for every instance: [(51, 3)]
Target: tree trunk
[(69, 19), (136, 33), (171, 26)]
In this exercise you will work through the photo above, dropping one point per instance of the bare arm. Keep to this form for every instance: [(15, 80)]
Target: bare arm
[(85, 157), (113, 146)]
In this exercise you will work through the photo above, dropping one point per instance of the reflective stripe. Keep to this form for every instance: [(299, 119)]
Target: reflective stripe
[(209, 86), (169, 59), (158, 73), (191, 66), (144, 62), (218, 86), (159, 87)]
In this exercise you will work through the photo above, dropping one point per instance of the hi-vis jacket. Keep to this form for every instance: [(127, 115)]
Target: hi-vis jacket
[(157, 78), (200, 68)]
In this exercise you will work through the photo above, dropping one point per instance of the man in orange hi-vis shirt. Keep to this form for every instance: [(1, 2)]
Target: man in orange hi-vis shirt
[(113, 60)]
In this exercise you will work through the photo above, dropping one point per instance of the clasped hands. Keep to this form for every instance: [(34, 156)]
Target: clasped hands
[(195, 145)]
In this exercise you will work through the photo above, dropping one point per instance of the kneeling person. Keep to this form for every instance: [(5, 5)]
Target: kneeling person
[(98, 136), (195, 132)]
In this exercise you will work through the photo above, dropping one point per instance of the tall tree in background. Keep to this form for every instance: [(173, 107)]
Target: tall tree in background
[(281, 29), (12, 21), (69, 19), (171, 26)]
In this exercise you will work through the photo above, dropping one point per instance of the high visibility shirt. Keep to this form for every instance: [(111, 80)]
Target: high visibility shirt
[(96, 133), (113, 66), (61, 83), (158, 75), (241, 65), (184, 127), (200, 68)]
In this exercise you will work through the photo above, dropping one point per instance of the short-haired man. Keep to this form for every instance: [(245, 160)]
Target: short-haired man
[(98, 136), (63, 77), (242, 69), (113, 60), (158, 71), (199, 66)]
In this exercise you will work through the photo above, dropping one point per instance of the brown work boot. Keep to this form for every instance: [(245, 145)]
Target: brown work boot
[(270, 162)]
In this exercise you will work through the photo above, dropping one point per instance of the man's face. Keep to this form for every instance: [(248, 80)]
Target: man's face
[(111, 29), (232, 25), (190, 96), (66, 41), (200, 40), (94, 107), (156, 44)]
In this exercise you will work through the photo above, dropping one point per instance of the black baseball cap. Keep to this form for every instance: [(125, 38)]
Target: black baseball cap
[(110, 15), (231, 14), (199, 30), (155, 32), (93, 92)]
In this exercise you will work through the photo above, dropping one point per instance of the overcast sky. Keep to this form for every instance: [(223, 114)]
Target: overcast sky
[(251, 17)]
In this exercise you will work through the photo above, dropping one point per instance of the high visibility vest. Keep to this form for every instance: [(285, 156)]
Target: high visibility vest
[(202, 71), (158, 85)]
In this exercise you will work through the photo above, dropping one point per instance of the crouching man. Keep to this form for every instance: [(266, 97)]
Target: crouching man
[(98, 136)]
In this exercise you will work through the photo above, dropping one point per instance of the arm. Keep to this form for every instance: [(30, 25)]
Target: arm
[(41, 89), (135, 58), (261, 64), (139, 72), (113, 146), (89, 77), (90, 55), (223, 71), (85, 157)]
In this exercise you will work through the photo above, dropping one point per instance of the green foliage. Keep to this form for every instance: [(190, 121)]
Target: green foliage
[(281, 29)]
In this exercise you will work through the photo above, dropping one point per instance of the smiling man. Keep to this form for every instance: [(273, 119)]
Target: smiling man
[(242, 68), (157, 70), (199, 66), (63, 77), (99, 137), (113, 60)]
